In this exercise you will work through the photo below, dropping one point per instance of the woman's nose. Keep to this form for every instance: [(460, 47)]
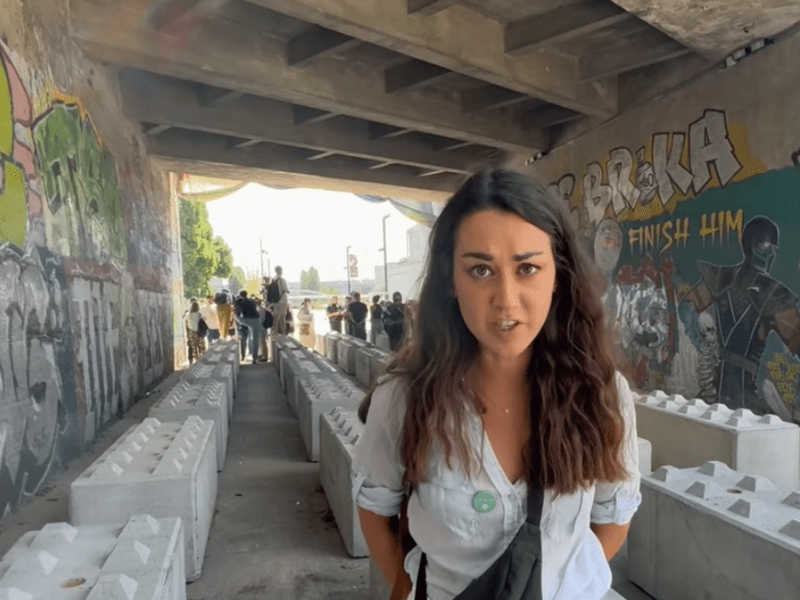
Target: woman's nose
[(506, 292)]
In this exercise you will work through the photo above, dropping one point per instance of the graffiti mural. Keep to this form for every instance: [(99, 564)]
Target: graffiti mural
[(80, 183), (83, 329), (690, 233), (16, 155)]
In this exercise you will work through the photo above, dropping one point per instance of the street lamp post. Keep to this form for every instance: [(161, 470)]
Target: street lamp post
[(261, 255), (348, 270), (385, 259)]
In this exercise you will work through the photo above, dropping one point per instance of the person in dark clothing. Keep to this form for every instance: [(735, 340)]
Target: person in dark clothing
[(357, 313), (247, 315), (394, 318), (335, 314), (376, 319), (348, 323)]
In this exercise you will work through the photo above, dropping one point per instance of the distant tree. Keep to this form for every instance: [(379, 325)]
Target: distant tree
[(309, 280), (225, 265), (313, 279), (199, 252)]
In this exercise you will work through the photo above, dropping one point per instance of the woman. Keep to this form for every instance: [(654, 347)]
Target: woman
[(305, 319), (197, 344), (507, 387), (375, 319)]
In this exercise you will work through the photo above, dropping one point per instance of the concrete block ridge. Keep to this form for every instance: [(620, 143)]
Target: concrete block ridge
[(339, 431), (714, 532), (162, 469), (142, 559), (205, 399), (687, 433)]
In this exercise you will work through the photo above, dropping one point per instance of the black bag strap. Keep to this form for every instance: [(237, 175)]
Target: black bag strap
[(535, 500)]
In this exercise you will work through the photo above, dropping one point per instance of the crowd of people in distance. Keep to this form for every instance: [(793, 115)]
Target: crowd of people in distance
[(253, 320), (392, 317)]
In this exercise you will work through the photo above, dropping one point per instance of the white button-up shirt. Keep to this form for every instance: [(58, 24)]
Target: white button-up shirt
[(460, 542)]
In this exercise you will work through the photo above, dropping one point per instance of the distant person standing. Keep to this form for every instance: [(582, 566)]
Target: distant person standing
[(196, 343), (211, 317), (335, 314), (266, 322), (224, 303), (394, 321), (278, 297), (357, 312), (247, 312), (376, 319), (305, 322)]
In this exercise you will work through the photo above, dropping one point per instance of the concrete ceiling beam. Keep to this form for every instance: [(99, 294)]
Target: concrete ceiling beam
[(490, 98), (226, 56), (621, 60), (412, 75), (716, 28), (426, 8), (156, 129), (282, 180), (381, 131), (303, 115), (213, 97), (562, 24), (316, 43), (161, 100), (194, 146), (448, 39)]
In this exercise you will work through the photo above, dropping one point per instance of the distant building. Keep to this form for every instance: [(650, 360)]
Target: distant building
[(405, 276)]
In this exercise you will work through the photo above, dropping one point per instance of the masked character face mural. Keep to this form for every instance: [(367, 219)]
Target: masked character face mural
[(607, 246), (760, 243)]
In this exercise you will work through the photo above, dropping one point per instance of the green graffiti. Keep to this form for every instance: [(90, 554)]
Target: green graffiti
[(80, 183), (13, 206)]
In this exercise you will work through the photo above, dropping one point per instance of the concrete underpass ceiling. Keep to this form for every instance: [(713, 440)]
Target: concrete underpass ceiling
[(399, 98)]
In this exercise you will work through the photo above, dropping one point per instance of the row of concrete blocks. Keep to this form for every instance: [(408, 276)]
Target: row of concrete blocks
[(356, 357), (141, 513), (687, 433)]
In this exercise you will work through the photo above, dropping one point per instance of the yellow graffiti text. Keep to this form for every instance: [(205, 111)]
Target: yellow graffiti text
[(659, 236)]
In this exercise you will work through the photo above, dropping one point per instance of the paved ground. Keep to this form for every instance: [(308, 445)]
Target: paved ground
[(273, 536)]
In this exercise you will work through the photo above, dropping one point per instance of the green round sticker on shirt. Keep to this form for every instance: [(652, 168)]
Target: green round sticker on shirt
[(484, 502)]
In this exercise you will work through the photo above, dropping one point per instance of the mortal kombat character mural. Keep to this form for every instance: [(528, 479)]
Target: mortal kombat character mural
[(746, 304)]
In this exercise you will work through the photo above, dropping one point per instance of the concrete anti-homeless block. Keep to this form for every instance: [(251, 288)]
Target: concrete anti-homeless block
[(645, 456), (331, 346), (713, 532), (206, 400), (141, 560), (382, 341), (283, 347), (319, 395), (223, 373), (161, 469), (296, 369), (339, 431), (319, 345), (687, 433), (347, 348), (363, 363), (377, 366), (224, 352)]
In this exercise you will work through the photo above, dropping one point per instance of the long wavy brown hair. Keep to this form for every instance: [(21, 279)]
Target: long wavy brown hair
[(574, 399)]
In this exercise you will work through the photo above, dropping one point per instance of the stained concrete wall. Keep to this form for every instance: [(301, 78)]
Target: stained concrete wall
[(88, 253), (663, 196)]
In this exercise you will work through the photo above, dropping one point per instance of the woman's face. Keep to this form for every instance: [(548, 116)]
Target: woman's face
[(504, 280)]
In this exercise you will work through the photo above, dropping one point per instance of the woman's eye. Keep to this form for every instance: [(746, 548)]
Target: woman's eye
[(480, 270), (529, 269)]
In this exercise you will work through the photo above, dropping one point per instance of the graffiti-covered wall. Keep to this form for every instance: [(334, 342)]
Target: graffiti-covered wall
[(87, 254), (691, 208)]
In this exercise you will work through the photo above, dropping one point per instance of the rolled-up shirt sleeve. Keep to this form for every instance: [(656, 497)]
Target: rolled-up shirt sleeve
[(378, 484), (616, 502)]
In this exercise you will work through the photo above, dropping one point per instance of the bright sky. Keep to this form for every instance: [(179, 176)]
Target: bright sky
[(303, 228)]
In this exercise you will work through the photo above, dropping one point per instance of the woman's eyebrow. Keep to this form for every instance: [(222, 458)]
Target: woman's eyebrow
[(489, 257)]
